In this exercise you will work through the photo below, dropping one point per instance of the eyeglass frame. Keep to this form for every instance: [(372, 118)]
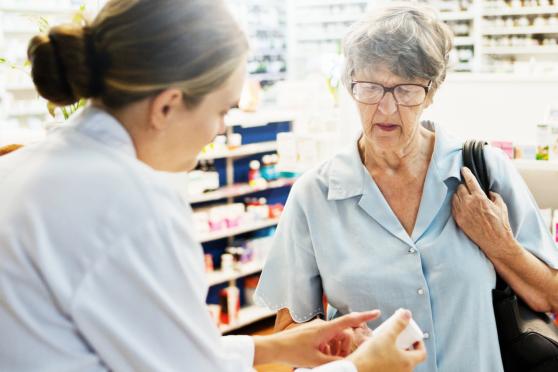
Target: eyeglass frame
[(392, 91)]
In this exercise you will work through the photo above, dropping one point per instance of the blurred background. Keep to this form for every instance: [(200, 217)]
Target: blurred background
[(294, 114)]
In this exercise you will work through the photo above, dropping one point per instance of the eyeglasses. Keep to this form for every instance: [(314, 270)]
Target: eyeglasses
[(405, 94)]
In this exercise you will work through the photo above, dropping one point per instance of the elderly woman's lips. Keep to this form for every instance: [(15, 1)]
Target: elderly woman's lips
[(387, 127)]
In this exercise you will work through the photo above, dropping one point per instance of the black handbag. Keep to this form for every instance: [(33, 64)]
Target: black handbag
[(528, 339)]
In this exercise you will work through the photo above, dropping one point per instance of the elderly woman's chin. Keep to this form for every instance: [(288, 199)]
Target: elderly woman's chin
[(379, 136)]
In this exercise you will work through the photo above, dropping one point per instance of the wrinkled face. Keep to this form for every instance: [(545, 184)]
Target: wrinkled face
[(386, 125)]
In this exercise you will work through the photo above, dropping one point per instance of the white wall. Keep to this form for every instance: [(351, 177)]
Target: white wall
[(494, 107)]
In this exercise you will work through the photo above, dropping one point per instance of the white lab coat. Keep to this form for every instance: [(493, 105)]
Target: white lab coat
[(99, 266)]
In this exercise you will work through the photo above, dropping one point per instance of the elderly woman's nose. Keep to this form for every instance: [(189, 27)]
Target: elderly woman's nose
[(387, 105)]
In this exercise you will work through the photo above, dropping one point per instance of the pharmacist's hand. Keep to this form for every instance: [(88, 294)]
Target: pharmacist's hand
[(380, 353), (347, 342), (485, 221), (309, 345)]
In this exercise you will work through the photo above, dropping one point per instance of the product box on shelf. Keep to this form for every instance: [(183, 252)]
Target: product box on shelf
[(505, 146), (230, 304)]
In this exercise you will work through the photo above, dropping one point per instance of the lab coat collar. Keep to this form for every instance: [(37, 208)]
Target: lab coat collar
[(103, 127)]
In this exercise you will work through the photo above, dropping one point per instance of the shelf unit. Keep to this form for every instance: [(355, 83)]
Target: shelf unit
[(219, 276), (531, 30), (538, 10), (247, 316), (532, 50), (519, 38), (265, 22), (246, 122), (227, 233), (237, 190), (246, 150), (536, 165), (317, 28)]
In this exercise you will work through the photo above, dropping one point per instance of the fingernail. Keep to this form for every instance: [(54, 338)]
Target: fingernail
[(405, 313)]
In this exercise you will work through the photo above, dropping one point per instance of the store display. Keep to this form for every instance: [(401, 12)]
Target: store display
[(505, 146), (268, 169), (257, 208), (230, 304), (543, 142), (204, 178), (215, 313), (208, 263), (227, 262), (255, 178), (235, 141)]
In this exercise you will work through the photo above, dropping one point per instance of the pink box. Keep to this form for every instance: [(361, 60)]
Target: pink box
[(505, 146)]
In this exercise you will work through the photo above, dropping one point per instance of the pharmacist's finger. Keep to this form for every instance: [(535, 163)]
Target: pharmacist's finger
[(398, 322), (352, 320)]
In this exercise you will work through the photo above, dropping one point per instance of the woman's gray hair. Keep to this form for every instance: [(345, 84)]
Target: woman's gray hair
[(410, 40)]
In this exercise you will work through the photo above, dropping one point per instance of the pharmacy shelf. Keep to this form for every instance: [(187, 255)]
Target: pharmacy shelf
[(463, 41), (463, 66), (247, 316), (521, 30), (521, 11), (269, 75), (322, 3), (259, 118), (219, 276), (242, 151), (320, 38), (225, 233), (537, 165), (22, 31), (550, 49), (20, 87), (236, 190), (37, 9), (330, 19), (29, 112), (457, 16)]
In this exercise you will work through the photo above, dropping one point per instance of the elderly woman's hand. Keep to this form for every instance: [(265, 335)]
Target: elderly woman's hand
[(351, 339), (485, 221)]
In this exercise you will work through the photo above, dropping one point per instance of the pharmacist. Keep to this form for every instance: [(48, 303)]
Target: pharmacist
[(99, 265)]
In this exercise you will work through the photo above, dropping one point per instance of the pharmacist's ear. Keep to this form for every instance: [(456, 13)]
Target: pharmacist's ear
[(164, 108)]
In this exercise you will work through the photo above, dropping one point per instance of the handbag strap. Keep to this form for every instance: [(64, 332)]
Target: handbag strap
[(473, 158)]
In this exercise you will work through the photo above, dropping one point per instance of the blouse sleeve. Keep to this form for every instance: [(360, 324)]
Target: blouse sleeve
[(526, 221), (290, 278)]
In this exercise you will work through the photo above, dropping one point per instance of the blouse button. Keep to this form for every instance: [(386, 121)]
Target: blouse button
[(420, 291), (426, 335), (412, 250)]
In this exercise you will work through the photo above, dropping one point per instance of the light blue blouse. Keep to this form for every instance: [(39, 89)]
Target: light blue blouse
[(338, 236)]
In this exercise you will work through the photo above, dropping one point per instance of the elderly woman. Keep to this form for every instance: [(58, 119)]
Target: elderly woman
[(388, 223)]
